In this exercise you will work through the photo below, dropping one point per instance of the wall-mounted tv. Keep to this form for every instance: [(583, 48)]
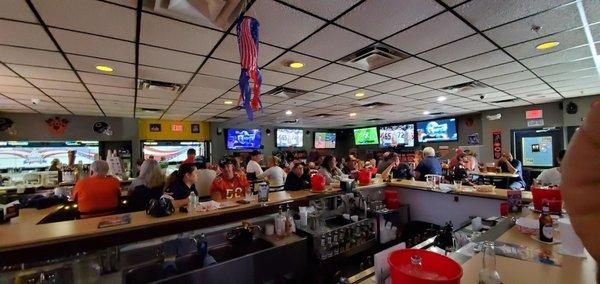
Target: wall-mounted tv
[(397, 135), (289, 138), (366, 136), (437, 130), (39, 154), (324, 140), (240, 139), (171, 151), (537, 151)]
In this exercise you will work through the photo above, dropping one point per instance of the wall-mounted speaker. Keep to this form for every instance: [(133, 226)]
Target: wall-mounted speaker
[(268, 131), (219, 131), (572, 108), (307, 132)]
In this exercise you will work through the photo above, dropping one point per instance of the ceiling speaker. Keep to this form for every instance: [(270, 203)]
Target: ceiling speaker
[(572, 108)]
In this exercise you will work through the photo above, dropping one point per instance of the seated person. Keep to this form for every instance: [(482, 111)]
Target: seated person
[(151, 187), (181, 182), (97, 194), (508, 164), (205, 178), (329, 170), (460, 169), (274, 175), (351, 167), (297, 179), (229, 183), (552, 176), (429, 165)]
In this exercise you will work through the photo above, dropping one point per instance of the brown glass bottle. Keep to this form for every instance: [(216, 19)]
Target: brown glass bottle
[(546, 229)]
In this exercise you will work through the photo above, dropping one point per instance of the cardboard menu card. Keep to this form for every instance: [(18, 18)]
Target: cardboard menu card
[(116, 220), (542, 255), (515, 201)]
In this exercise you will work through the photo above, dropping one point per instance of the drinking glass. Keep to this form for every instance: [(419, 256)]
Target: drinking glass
[(458, 184), (248, 194)]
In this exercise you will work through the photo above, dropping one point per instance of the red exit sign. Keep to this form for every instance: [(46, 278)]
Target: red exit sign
[(177, 127), (533, 114)]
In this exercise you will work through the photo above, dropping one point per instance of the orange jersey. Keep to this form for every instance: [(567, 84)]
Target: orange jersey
[(97, 194), (233, 188)]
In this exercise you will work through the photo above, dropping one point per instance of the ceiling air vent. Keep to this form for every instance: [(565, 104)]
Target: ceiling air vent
[(375, 119), (290, 121), (436, 113), (374, 56), (321, 115), (285, 93), (150, 110), (159, 85), (373, 105), (220, 13), (349, 125), (504, 101), (473, 85)]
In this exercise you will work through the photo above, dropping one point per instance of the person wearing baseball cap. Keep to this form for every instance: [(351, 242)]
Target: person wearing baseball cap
[(229, 183)]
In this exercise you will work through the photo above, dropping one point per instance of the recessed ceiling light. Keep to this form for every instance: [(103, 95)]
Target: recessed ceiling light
[(358, 95), (426, 112), (352, 114), (228, 102), (295, 64), (547, 45), (288, 112), (104, 68), (441, 98)]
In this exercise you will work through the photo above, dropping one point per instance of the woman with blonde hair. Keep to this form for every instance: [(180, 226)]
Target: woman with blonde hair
[(149, 185), (274, 175)]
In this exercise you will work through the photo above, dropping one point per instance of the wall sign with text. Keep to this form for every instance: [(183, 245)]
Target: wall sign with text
[(155, 127), (497, 144)]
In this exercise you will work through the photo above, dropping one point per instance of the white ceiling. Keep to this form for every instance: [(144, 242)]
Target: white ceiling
[(450, 42)]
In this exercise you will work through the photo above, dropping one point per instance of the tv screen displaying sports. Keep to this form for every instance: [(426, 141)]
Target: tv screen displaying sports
[(171, 151), (437, 130), (325, 140), (397, 135), (239, 139), (289, 138), (38, 154), (537, 151), (366, 136)]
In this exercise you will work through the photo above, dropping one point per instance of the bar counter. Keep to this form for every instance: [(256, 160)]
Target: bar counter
[(18, 237)]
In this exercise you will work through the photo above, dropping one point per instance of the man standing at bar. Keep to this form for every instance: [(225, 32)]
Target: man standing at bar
[(98, 194), (191, 156), (508, 164)]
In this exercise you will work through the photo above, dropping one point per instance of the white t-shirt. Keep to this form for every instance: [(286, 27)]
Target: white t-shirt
[(275, 176), (550, 176), (204, 181), (253, 167)]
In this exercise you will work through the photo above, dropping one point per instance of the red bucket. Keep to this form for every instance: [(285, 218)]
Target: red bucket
[(364, 177), (433, 268), (317, 182), (550, 195)]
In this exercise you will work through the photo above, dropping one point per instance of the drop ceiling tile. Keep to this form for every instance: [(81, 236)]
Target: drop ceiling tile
[(25, 56), (388, 16), (427, 94), (228, 50), (295, 102), (306, 84), (589, 72), (567, 40), (582, 93), (108, 80), (163, 58), (453, 3), (450, 81), (427, 75), (230, 96), (413, 40), (469, 46), (89, 16), (171, 34), (59, 85), (388, 86), (368, 94), (313, 96), (502, 69), (310, 63), (519, 84), (403, 67), (221, 68), (364, 79), (84, 102), (12, 34), (513, 104), (89, 64), (44, 73), (508, 78), (276, 78), (485, 14), (110, 90), (529, 89), (84, 44), (5, 72), (199, 94), (558, 57), (334, 72), (212, 82), (485, 60), (564, 67), (389, 99), (24, 96), (410, 90), (164, 75), (67, 94), (553, 21), (336, 100), (332, 43), (335, 89), (282, 26), (270, 99), (326, 9), (13, 81), (17, 10)]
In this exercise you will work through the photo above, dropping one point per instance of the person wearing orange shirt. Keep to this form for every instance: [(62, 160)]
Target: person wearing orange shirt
[(229, 183), (97, 194)]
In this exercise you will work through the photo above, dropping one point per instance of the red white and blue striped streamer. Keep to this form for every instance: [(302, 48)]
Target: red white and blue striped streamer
[(247, 31)]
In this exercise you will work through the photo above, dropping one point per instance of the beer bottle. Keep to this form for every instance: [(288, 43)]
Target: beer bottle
[(546, 228)]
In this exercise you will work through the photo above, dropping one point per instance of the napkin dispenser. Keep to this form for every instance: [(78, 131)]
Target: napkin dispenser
[(8, 211)]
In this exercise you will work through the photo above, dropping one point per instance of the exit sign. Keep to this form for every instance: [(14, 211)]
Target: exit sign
[(177, 127), (534, 114)]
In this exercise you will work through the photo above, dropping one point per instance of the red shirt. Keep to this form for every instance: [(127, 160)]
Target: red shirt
[(189, 160), (230, 188), (97, 194)]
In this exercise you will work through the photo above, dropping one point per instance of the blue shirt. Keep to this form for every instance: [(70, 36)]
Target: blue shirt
[(519, 167), (429, 166)]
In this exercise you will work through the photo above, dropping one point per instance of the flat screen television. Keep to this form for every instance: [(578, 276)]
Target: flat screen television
[(171, 151), (366, 136), (241, 139), (397, 135), (39, 154), (289, 138), (437, 130), (324, 140), (537, 151)]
